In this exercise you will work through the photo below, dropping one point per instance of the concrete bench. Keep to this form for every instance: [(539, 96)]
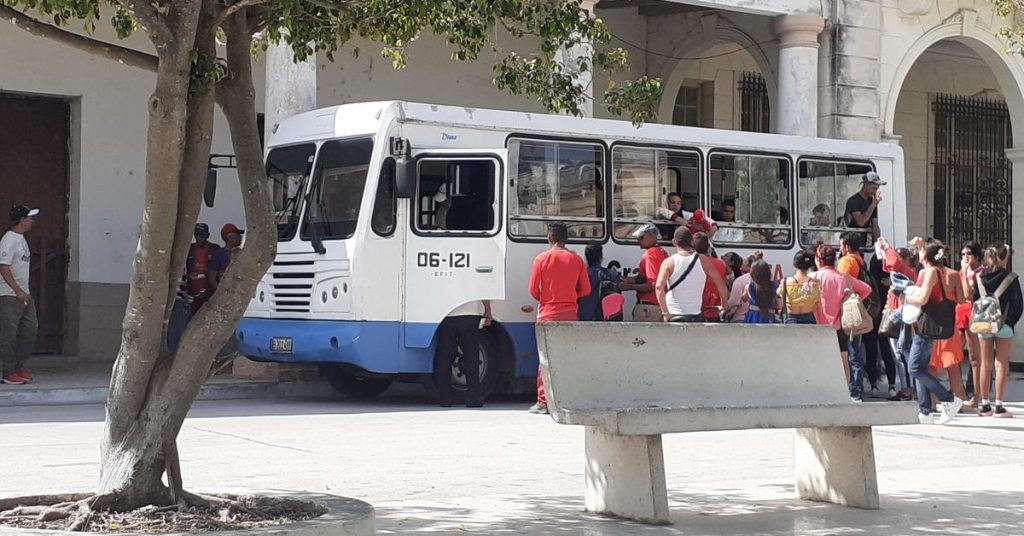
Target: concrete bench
[(628, 383)]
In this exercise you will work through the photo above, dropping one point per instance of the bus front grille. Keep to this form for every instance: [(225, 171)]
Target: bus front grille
[(292, 291)]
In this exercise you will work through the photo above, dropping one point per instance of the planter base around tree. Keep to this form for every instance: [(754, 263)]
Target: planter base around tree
[(343, 517)]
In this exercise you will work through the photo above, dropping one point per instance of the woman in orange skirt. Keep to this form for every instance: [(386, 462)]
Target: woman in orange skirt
[(947, 354)]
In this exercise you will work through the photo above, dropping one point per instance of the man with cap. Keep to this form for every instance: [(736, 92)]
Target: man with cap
[(199, 267), (862, 207), (646, 308), (232, 237), (18, 324)]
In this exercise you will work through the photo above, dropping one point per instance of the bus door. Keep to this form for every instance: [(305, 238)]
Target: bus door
[(455, 252)]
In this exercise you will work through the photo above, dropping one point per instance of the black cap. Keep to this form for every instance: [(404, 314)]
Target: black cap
[(202, 229), (21, 211)]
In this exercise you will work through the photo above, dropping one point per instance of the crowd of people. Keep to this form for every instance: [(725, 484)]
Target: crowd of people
[(904, 312)]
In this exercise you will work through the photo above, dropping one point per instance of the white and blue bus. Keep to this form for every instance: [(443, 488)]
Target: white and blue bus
[(391, 215)]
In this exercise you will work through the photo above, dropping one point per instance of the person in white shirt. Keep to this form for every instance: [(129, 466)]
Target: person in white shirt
[(673, 211), (462, 329), (729, 234), (18, 325)]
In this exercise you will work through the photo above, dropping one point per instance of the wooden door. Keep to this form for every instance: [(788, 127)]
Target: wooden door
[(34, 135)]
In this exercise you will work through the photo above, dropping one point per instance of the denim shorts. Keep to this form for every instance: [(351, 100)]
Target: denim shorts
[(1005, 332)]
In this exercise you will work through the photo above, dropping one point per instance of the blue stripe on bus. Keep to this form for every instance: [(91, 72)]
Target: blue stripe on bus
[(374, 346)]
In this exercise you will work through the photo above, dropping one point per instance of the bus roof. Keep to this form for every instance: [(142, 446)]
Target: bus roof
[(366, 118)]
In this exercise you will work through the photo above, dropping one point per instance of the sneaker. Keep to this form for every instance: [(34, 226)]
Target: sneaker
[(539, 409), (1002, 413), (13, 379), (900, 396), (949, 410), (856, 399), (985, 411), (474, 404), (875, 393), (21, 371), (926, 419)]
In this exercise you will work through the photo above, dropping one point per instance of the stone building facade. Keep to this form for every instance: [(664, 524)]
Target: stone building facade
[(930, 75)]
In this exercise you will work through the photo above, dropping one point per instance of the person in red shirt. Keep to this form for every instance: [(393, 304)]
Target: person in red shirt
[(712, 302), (557, 281), (646, 308)]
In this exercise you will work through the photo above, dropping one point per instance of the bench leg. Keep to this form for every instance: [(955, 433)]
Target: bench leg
[(837, 465), (625, 476)]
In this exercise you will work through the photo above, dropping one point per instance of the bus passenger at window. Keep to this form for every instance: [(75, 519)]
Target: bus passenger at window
[(821, 216), (673, 211), (862, 207), (728, 234), (646, 308), (558, 280)]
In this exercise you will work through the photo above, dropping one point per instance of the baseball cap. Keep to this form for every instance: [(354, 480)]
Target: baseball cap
[(21, 211), (230, 228), (644, 229), (873, 178), (202, 229)]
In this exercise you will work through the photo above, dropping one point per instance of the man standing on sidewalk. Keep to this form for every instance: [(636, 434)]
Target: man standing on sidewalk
[(557, 281), (18, 323)]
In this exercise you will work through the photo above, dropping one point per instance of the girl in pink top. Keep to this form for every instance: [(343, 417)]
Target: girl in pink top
[(835, 287)]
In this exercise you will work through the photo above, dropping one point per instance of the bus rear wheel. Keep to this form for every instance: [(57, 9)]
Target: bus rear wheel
[(488, 363), (353, 386)]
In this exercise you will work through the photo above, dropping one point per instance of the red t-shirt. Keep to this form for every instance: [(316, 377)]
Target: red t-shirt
[(558, 280), (650, 265), (711, 298)]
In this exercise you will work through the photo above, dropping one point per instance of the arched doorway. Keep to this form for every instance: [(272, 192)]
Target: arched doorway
[(721, 78), (955, 127)]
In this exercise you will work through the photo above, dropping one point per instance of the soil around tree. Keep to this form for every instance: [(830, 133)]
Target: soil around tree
[(202, 514)]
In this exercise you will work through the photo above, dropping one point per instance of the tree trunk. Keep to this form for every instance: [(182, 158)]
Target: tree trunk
[(152, 390)]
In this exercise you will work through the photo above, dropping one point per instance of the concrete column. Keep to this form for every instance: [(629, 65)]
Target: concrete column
[(796, 109), (625, 476), (836, 465), (290, 86), (850, 72), (1016, 157), (568, 59)]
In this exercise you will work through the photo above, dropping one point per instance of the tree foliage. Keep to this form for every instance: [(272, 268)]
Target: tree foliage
[(471, 28)]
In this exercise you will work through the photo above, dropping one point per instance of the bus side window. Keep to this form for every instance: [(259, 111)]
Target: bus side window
[(556, 181), (824, 187), (642, 179), (385, 204), (750, 199), (456, 195)]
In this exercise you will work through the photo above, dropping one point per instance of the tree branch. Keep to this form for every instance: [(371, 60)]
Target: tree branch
[(235, 8), (123, 55)]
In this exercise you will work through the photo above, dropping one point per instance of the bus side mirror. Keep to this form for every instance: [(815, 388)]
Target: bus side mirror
[(210, 190), (405, 177)]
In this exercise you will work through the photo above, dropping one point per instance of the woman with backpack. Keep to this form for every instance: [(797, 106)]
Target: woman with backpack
[(603, 283), (800, 294), (760, 294), (937, 310), (1001, 284), (835, 289)]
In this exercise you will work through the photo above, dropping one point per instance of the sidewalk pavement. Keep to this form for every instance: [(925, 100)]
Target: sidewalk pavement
[(64, 380)]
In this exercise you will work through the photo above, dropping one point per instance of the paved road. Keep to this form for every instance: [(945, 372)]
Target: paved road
[(502, 471)]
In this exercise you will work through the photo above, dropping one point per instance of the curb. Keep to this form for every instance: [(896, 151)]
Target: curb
[(236, 390)]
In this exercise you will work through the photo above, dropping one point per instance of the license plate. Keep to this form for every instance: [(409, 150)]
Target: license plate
[(281, 345)]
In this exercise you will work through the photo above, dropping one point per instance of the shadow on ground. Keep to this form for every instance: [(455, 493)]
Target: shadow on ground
[(732, 511)]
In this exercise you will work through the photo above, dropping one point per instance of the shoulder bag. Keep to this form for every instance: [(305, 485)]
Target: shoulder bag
[(938, 319)]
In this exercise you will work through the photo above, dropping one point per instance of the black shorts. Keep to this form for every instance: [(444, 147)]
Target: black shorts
[(844, 340)]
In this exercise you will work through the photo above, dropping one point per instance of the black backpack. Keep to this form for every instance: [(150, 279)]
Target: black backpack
[(876, 300)]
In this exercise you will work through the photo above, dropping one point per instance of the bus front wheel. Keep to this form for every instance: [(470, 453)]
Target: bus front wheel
[(488, 363), (352, 386)]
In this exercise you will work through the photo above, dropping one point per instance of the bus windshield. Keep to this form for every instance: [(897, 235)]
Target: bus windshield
[(288, 169), (337, 191)]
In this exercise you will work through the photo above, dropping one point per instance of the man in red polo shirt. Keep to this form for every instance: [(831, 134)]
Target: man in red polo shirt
[(646, 308), (557, 281)]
